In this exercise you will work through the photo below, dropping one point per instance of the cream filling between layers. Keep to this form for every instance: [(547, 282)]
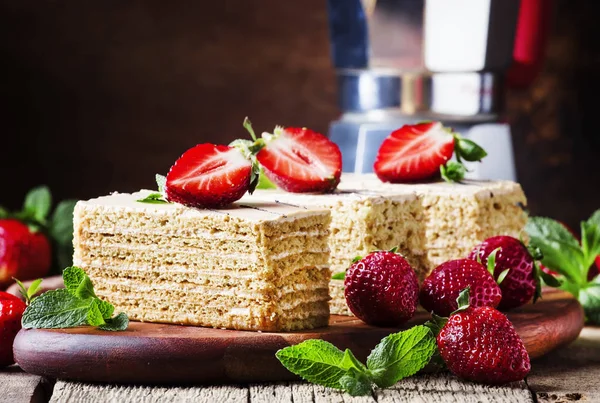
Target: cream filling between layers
[(201, 235), (191, 250), (199, 289)]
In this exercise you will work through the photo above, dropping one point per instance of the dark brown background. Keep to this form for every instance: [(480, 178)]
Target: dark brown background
[(97, 96)]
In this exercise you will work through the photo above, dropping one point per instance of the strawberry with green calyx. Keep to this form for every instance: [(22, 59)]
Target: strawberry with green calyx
[(515, 268), (382, 289), (443, 285), (30, 239), (422, 151), (297, 160), (480, 344), (562, 253)]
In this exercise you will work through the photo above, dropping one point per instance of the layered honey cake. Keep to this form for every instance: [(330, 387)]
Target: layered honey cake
[(429, 223), (254, 265)]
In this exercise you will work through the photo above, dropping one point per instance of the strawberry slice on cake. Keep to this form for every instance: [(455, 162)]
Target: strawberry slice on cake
[(209, 175), (298, 160), (421, 151)]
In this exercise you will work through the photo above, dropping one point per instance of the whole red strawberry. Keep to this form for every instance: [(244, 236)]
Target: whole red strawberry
[(519, 285), (11, 311), (382, 289), (480, 344), (24, 253), (301, 160), (209, 175), (441, 288)]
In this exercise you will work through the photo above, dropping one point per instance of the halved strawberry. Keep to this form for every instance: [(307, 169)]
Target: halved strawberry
[(414, 152), (301, 160), (421, 151), (209, 175)]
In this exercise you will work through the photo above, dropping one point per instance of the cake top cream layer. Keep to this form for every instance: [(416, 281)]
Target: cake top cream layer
[(250, 208), (468, 187), (363, 187), (338, 196)]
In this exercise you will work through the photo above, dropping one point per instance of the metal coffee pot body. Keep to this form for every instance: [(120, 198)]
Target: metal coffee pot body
[(403, 61)]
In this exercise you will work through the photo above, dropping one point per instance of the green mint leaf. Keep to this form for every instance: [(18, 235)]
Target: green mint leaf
[(153, 198), (357, 385), (468, 150), (33, 289), (78, 283), (589, 297), (339, 276), (56, 309), (116, 324), (61, 223), (106, 309), (463, 300), (590, 242), (561, 250), (436, 323), (401, 355), (38, 203), (161, 182), (264, 182), (502, 276), (316, 361), (94, 315), (453, 171), (349, 361)]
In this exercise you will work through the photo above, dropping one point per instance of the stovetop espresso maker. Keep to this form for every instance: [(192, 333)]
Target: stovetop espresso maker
[(405, 61)]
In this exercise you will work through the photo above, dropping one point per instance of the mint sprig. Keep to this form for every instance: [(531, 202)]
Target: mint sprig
[(157, 197), (563, 254), (397, 356), (75, 305)]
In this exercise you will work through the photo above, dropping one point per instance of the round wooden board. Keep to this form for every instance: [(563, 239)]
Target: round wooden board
[(149, 353)]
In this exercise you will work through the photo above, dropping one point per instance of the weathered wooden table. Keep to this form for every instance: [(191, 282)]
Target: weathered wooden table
[(569, 374)]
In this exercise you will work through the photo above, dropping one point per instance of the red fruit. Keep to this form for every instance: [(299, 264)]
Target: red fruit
[(519, 285), (23, 254), (480, 344), (209, 175), (11, 311), (414, 152), (441, 288), (300, 160), (382, 289)]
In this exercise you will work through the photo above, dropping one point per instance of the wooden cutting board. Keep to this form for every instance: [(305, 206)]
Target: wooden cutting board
[(150, 353)]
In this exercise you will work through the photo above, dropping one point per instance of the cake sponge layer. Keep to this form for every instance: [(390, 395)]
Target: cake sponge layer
[(256, 265)]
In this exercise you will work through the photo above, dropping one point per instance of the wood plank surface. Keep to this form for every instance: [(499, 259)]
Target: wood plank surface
[(425, 388), (571, 373), (160, 354), (17, 386)]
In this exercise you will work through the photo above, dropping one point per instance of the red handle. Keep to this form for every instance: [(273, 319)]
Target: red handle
[(530, 41)]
